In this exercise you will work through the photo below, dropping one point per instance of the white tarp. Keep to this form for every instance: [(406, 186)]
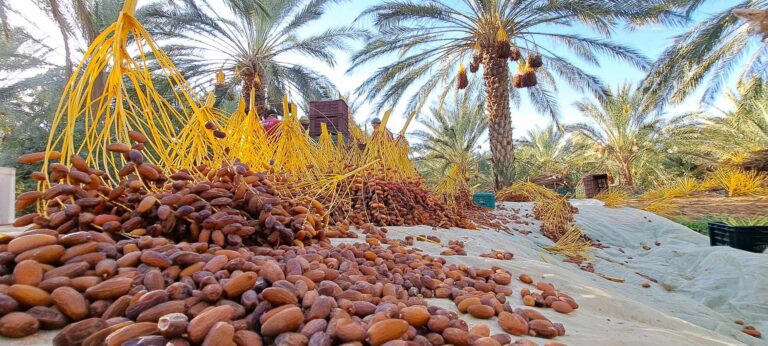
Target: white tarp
[(701, 290)]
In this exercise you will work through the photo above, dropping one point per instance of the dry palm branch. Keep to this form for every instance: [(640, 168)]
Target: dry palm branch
[(173, 125)]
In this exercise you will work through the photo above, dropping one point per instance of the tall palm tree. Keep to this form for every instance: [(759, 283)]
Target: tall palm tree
[(737, 132), (78, 23), (5, 26), (249, 45), (631, 136), (550, 150), (453, 132), (431, 38), (28, 96), (710, 53)]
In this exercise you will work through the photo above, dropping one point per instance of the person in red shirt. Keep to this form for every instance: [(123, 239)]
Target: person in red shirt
[(271, 122)]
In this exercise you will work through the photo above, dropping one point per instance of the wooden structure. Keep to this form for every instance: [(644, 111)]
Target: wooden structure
[(551, 181), (757, 161), (333, 113), (594, 184)]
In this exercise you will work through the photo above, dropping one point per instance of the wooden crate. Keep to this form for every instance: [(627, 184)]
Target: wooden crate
[(594, 184), (333, 113)]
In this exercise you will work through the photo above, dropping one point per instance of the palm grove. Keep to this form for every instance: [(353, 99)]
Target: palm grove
[(418, 51)]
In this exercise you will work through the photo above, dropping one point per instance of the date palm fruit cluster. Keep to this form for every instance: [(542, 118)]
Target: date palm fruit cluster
[(229, 205), (503, 49), (526, 71), (408, 202), (461, 78)]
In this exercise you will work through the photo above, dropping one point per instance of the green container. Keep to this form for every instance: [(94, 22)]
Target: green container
[(484, 200)]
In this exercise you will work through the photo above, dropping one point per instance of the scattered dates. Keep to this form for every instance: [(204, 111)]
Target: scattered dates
[(216, 256), (500, 255), (151, 290)]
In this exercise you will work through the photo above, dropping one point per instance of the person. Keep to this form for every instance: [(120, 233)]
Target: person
[(376, 123), (304, 123), (271, 122)]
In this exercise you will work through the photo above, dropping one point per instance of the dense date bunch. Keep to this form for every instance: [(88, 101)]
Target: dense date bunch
[(150, 291), (382, 202), (229, 205)]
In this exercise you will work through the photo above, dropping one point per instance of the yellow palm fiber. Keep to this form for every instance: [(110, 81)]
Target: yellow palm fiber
[(329, 152), (247, 138), (332, 189), (738, 182), (220, 77), (522, 66), (353, 155), (401, 152), (355, 132), (501, 35), (111, 93), (614, 198), (292, 151), (556, 216), (572, 243), (199, 142), (525, 191), (679, 188), (453, 184), (663, 206), (382, 148), (342, 148), (660, 200)]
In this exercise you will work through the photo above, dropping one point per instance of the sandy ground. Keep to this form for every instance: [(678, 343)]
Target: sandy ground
[(691, 304)]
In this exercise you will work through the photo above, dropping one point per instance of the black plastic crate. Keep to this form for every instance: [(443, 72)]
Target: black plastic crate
[(747, 238)]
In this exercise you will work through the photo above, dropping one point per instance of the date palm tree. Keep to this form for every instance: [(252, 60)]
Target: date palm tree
[(552, 151), (631, 136), (431, 38), (28, 96), (453, 132), (246, 48), (739, 131), (710, 53)]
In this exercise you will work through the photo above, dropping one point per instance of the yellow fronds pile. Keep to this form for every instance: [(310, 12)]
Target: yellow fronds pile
[(454, 187), (572, 243), (291, 150), (525, 192), (556, 216), (614, 198), (738, 182)]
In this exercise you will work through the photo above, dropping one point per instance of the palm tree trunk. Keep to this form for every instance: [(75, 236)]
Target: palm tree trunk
[(58, 17), (496, 76), (254, 84), (626, 176)]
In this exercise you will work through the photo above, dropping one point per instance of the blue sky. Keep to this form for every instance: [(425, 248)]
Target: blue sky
[(650, 40)]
